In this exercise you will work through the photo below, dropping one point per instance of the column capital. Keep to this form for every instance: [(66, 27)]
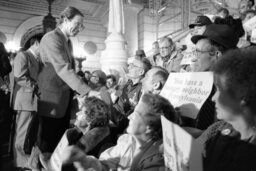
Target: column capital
[(133, 6)]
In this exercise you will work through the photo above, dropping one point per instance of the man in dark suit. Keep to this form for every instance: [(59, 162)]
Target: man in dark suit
[(58, 79), (26, 69)]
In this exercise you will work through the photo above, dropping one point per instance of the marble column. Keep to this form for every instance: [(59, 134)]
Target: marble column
[(114, 57)]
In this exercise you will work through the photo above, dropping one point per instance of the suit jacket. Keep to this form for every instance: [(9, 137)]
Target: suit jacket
[(58, 75), (173, 63), (151, 159), (26, 69)]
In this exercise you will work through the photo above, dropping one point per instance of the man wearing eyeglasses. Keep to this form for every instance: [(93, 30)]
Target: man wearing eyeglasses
[(58, 79), (131, 91), (169, 58), (209, 47), (128, 95)]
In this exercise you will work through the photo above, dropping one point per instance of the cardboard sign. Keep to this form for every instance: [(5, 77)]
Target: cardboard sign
[(69, 137), (253, 36), (55, 161), (250, 24), (188, 91), (181, 151)]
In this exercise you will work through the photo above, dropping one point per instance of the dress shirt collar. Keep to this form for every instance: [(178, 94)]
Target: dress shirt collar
[(66, 37), (31, 51)]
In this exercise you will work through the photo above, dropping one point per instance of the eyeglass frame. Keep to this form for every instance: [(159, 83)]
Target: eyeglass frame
[(94, 75), (133, 66), (197, 51), (164, 48), (80, 26)]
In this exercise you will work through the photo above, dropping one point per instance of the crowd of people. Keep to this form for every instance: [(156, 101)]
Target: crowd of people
[(117, 125)]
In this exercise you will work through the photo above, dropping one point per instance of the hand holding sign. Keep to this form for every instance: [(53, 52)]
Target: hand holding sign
[(55, 161), (243, 43), (250, 24), (189, 110), (181, 151)]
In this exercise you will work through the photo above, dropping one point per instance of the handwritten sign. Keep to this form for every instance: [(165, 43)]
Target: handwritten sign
[(71, 136), (188, 90), (55, 161), (253, 36), (181, 151), (250, 24)]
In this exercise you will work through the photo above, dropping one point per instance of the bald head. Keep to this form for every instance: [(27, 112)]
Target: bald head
[(154, 80)]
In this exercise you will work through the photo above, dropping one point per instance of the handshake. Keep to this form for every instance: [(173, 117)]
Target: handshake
[(82, 162)]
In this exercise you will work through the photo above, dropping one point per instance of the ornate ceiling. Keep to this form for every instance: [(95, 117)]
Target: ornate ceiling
[(90, 8), (94, 8)]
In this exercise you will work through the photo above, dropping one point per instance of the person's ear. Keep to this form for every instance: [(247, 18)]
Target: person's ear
[(218, 54), (243, 102), (247, 111), (157, 85), (148, 130), (172, 47), (215, 55), (142, 72), (65, 19), (244, 106)]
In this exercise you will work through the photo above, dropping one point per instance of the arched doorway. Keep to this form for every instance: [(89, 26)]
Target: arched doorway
[(29, 28), (36, 31), (3, 37)]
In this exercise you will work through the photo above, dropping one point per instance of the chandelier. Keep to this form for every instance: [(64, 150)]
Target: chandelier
[(49, 22)]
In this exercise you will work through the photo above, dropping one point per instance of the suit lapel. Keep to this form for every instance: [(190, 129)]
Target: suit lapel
[(71, 53), (68, 48)]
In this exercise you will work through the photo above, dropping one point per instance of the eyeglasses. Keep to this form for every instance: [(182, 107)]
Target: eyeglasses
[(94, 76), (164, 48), (80, 26), (197, 51), (131, 65)]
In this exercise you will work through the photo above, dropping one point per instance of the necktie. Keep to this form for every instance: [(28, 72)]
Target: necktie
[(71, 52)]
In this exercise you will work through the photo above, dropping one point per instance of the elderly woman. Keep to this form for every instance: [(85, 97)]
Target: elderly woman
[(230, 144), (90, 134), (93, 121), (138, 149)]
